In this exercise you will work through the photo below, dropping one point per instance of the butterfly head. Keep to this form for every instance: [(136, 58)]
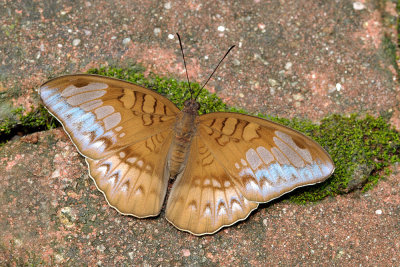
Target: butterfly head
[(191, 106)]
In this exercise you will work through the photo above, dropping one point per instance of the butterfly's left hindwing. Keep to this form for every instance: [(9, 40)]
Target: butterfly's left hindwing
[(205, 198)]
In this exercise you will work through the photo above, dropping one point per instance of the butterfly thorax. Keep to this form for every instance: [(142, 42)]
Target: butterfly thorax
[(185, 129)]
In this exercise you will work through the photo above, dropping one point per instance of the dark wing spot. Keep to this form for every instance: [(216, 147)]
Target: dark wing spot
[(298, 142), (80, 83)]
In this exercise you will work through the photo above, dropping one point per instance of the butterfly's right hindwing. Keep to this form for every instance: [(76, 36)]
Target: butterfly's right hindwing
[(134, 180)]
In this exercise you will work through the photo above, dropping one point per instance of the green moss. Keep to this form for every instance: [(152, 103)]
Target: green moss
[(360, 147), (23, 122), (368, 144), (389, 49)]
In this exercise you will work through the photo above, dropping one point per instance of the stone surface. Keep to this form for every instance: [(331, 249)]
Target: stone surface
[(293, 58), (52, 211), (328, 45)]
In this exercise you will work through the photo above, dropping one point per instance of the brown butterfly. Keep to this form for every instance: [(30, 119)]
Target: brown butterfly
[(224, 164)]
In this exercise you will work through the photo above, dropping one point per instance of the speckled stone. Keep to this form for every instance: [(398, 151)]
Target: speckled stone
[(50, 209)]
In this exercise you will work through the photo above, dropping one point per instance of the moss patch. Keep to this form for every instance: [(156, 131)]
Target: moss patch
[(360, 147), (21, 122)]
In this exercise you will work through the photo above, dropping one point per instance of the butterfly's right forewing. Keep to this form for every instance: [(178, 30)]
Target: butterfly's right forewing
[(123, 130), (103, 115)]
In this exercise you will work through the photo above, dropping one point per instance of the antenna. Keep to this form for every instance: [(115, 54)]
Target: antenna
[(184, 63), (229, 50)]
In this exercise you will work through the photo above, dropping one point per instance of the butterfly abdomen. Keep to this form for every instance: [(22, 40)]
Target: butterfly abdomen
[(185, 128)]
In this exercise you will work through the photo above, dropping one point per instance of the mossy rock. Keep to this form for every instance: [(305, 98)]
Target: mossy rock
[(360, 147)]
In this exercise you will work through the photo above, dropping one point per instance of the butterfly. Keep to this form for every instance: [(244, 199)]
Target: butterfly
[(223, 164)]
